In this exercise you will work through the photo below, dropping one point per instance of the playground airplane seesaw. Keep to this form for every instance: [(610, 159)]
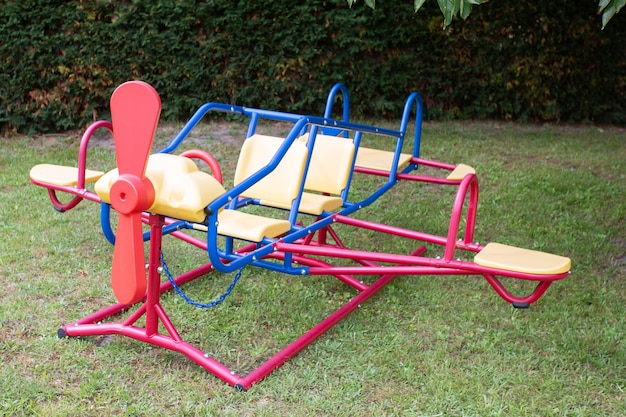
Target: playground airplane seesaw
[(306, 175)]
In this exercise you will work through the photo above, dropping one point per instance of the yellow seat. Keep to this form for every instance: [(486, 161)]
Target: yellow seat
[(250, 227), (310, 203), (61, 175), (510, 258), (181, 190), (317, 204), (460, 171), (379, 159), (277, 189), (329, 171), (282, 185)]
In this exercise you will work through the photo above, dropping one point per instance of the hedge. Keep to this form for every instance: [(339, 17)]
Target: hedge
[(524, 60)]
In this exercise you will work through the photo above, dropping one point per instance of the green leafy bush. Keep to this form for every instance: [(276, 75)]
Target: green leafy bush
[(540, 61)]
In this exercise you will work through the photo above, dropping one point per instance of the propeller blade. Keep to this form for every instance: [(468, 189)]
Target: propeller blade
[(135, 110), (128, 275)]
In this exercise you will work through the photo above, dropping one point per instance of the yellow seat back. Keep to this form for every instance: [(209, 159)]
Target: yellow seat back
[(281, 185), (331, 164)]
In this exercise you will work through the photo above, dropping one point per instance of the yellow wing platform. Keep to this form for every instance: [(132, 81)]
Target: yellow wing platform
[(460, 172), (379, 159), (383, 161), (511, 258), (61, 175)]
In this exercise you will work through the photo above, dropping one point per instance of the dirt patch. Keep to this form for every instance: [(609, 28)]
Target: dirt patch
[(50, 140), (234, 131)]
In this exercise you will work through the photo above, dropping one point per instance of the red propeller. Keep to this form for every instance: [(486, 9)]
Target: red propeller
[(135, 110)]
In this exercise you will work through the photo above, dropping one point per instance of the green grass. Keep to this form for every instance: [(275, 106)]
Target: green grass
[(424, 346)]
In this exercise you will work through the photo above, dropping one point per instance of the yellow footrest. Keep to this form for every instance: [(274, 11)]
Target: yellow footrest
[(61, 175), (511, 258), (250, 227), (378, 159), (460, 172)]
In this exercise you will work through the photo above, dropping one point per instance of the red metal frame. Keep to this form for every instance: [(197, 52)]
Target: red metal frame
[(368, 263), (79, 191), (154, 314)]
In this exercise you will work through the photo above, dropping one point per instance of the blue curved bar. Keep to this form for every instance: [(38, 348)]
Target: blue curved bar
[(105, 222), (195, 119)]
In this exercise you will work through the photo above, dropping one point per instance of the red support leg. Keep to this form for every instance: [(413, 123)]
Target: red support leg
[(152, 292)]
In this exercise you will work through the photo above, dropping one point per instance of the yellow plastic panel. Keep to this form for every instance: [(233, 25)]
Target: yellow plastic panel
[(249, 227), (378, 159), (157, 164), (281, 185), (460, 172), (61, 175), (103, 185), (185, 196), (181, 191), (511, 258)]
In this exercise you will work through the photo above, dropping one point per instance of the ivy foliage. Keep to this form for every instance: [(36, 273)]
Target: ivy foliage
[(449, 8), (541, 61)]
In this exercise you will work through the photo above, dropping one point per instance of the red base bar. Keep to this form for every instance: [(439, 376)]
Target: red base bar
[(164, 341), (175, 343)]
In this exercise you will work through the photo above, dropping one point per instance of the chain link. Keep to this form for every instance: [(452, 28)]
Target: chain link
[(196, 304)]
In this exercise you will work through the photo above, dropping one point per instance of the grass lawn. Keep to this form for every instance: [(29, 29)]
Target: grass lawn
[(424, 346)]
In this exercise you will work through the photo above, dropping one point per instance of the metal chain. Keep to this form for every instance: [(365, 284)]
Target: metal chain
[(196, 304)]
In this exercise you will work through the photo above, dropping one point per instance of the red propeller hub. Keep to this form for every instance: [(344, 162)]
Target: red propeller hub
[(131, 194)]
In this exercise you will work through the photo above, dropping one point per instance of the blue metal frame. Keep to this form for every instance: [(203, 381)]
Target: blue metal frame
[(413, 99), (305, 123), (330, 101)]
